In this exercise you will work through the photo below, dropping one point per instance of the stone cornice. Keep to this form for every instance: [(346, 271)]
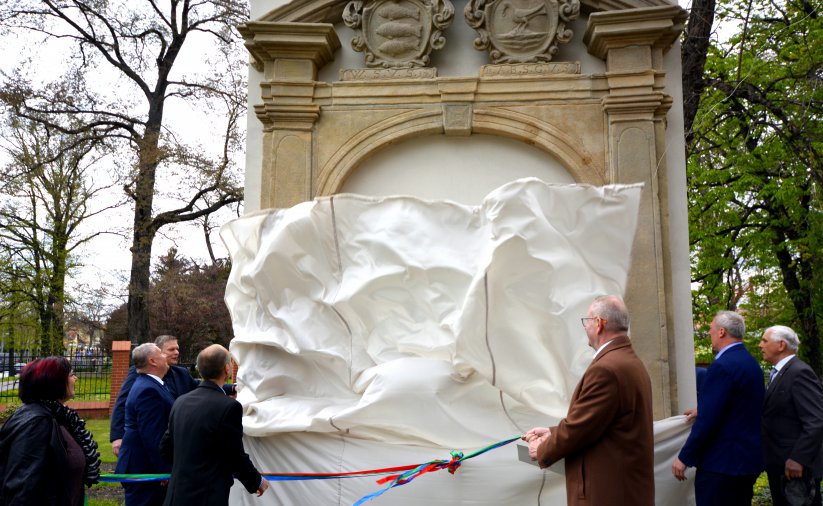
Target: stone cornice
[(287, 116), (656, 27), (268, 40), (331, 11)]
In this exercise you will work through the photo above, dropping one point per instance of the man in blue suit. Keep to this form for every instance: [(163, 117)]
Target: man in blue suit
[(724, 444), (147, 416), (177, 379)]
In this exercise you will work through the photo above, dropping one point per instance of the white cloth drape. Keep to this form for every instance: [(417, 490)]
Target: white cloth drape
[(375, 332)]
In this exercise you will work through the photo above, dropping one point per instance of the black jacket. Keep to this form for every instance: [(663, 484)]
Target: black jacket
[(33, 459), (792, 420), (204, 443)]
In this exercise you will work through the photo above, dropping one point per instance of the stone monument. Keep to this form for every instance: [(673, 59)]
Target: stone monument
[(357, 96)]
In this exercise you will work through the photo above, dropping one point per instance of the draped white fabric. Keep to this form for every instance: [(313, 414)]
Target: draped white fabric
[(376, 332)]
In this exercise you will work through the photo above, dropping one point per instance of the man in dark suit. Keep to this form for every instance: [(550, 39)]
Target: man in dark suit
[(606, 437), (177, 380), (147, 414), (204, 440), (792, 424), (724, 443)]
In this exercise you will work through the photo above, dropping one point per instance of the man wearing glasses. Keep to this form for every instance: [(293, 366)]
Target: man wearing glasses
[(606, 437)]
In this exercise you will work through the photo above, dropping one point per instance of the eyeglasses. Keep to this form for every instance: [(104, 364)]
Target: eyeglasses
[(584, 320)]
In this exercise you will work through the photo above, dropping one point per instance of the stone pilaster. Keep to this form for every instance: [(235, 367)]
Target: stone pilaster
[(632, 43), (289, 56)]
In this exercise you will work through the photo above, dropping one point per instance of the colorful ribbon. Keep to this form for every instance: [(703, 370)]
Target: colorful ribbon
[(397, 475)]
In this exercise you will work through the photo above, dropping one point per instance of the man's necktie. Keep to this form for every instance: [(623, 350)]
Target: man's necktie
[(772, 375)]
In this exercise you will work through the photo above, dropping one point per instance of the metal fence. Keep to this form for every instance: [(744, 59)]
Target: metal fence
[(92, 366)]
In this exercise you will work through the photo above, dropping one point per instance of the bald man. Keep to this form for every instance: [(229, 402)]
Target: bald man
[(204, 440)]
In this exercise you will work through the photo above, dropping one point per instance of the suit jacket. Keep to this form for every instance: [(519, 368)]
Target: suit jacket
[(792, 424), (607, 437), (204, 441), (147, 415), (179, 382), (725, 437)]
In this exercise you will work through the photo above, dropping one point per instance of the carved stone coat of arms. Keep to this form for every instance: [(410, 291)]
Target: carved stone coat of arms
[(521, 31), (398, 33)]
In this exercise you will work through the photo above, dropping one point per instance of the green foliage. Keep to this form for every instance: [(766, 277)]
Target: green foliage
[(762, 493), (755, 171), (6, 413)]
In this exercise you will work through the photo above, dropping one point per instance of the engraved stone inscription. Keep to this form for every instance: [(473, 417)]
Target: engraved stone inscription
[(528, 69), (386, 74)]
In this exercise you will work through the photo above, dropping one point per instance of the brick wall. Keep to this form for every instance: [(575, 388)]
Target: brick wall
[(120, 351)]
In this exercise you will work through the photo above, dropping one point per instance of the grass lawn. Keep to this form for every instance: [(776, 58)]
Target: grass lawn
[(104, 494), (100, 430)]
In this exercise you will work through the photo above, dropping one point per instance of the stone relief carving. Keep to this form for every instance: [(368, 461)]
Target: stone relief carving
[(398, 33), (521, 31)]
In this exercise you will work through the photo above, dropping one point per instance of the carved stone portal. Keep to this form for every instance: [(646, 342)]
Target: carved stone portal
[(398, 33), (521, 31)]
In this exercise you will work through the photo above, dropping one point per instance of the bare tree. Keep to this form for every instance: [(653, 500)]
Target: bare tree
[(135, 46), (45, 197)]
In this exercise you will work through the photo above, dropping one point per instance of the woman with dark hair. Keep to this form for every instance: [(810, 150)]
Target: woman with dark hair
[(46, 453)]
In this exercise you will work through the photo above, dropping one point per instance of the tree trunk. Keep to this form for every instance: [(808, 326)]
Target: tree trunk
[(139, 327), (693, 55)]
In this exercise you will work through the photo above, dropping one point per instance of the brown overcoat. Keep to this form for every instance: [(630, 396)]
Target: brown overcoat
[(606, 437)]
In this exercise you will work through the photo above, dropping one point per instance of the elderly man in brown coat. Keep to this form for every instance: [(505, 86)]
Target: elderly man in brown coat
[(606, 437)]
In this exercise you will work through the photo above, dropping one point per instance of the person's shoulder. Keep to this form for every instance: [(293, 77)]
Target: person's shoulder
[(734, 354), (28, 416), (144, 383), (797, 367)]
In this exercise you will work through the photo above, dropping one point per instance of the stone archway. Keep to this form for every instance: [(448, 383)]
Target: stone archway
[(607, 127)]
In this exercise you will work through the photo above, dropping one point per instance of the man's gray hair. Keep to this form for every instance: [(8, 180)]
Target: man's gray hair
[(612, 309), (733, 323), (140, 355), (161, 341), (785, 334)]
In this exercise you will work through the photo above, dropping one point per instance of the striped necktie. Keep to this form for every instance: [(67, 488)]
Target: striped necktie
[(772, 375)]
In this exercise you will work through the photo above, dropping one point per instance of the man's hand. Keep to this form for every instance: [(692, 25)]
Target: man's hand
[(794, 469), (535, 438), (264, 484), (535, 433), (115, 447), (679, 469), (535, 443), (691, 414)]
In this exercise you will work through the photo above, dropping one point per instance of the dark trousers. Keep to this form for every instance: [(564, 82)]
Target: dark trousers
[(718, 489), (776, 488), (144, 494)]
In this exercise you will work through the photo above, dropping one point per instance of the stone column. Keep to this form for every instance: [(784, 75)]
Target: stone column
[(289, 55), (632, 43)]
